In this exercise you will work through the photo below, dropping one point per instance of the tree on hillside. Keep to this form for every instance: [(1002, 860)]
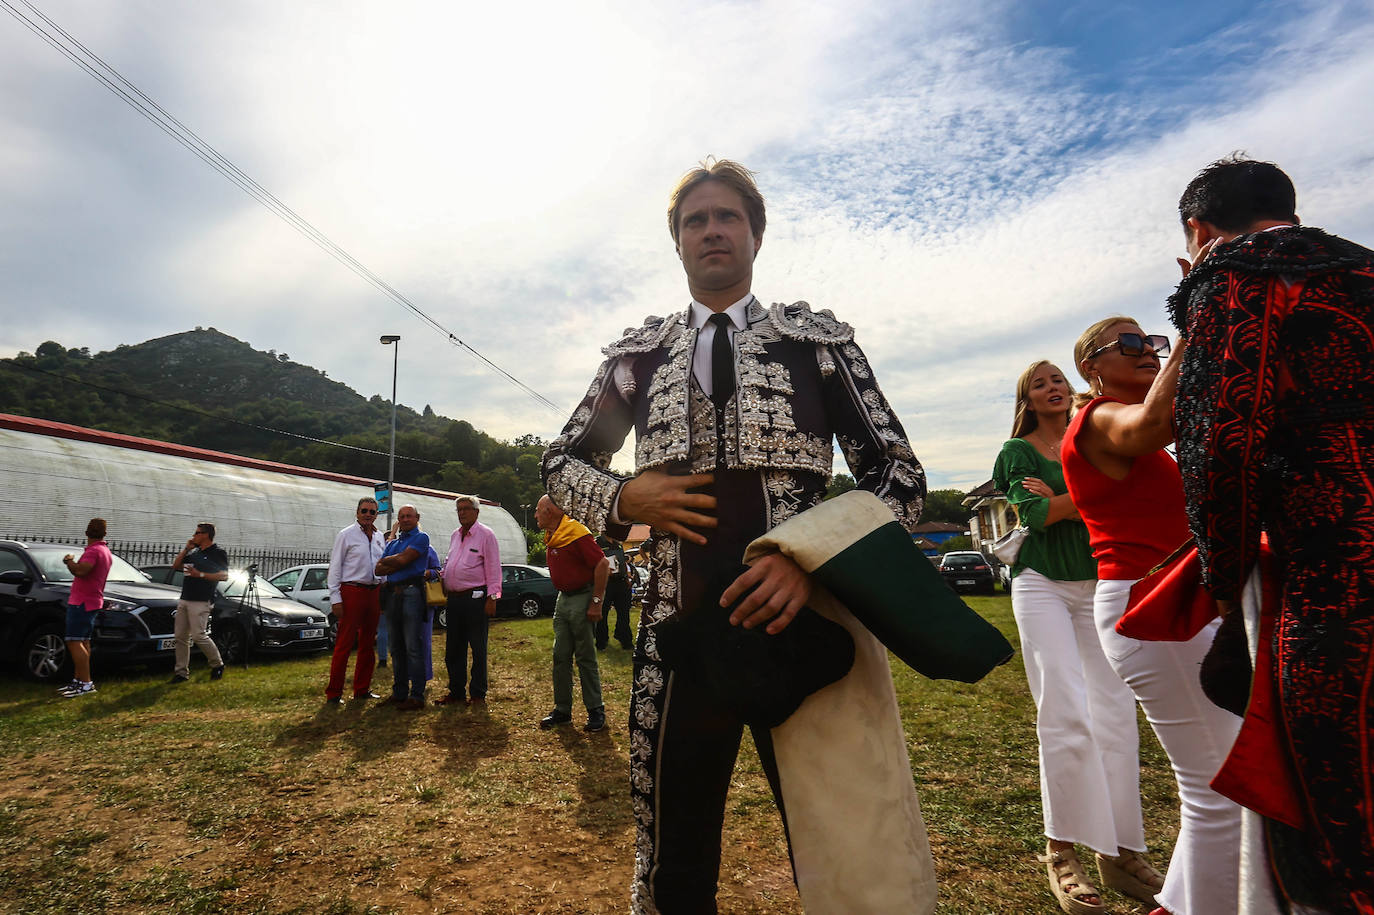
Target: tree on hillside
[(961, 542), (244, 394), (535, 554), (944, 505), (839, 483)]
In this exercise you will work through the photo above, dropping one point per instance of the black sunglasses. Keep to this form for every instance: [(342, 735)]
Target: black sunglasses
[(367, 511), (1134, 345)]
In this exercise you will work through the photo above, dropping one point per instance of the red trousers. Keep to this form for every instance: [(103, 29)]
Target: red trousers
[(357, 623)]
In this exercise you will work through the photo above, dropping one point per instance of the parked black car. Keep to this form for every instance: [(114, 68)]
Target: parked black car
[(250, 614), (134, 626), (525, 591), (967, 571)]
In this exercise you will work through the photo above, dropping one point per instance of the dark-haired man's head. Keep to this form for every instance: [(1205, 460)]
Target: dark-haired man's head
[(95, 530), (1236, 195)]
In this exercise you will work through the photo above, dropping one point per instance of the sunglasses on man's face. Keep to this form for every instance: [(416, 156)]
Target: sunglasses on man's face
[(367, 511), (1134, 345)]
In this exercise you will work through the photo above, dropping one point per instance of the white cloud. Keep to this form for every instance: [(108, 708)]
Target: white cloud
[(964, 197)]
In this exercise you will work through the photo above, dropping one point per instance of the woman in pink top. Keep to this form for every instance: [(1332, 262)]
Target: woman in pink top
[(1130, 495), (87, 596)]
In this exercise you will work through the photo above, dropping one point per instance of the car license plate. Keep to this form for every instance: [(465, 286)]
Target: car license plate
[(312, 633), (166, 644), (964, 581)]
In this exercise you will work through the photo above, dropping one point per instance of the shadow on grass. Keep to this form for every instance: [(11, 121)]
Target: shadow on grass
[(467, 735), (602, 778), (137, 700), (371, 730)]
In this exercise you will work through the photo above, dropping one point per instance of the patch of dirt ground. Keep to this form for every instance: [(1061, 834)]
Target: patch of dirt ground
[(360, 809)]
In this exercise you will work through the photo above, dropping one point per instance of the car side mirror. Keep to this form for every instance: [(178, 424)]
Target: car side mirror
[(21, 579)]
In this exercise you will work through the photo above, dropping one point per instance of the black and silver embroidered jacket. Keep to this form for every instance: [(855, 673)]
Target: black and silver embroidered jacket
[(801, 383)]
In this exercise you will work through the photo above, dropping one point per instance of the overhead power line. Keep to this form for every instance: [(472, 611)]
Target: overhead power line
[(217, 417), (61, 40)]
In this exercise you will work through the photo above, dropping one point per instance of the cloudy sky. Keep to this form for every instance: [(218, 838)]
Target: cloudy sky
[(970, 184)]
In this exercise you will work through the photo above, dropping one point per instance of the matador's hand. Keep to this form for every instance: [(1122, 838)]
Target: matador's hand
[(783, 589), (662, 501)]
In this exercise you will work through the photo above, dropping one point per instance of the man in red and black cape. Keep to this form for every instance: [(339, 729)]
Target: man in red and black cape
[(1275, 416)]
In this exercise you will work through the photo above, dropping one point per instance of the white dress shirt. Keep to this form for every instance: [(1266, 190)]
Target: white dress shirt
[(699, 316), (354, 558)]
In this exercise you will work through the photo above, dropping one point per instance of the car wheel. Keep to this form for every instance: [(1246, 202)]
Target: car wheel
[(441, 617), (233, 649), (530, 606), (45, 654)]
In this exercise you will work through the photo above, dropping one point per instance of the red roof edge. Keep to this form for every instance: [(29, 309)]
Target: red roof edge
[(133, 442)]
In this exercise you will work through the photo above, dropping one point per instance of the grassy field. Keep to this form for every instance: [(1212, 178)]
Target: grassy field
[(252, 795)]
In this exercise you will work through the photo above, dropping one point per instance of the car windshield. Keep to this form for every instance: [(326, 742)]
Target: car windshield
[(238, 582), (964, 562), (49, 562)]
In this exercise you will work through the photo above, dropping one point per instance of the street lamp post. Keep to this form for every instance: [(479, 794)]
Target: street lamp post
[(527, 516), (387, 340)]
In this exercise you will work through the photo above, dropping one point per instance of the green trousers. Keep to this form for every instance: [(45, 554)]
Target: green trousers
[(574, 636)]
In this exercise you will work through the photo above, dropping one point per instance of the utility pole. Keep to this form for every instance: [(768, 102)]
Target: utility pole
[(387, 340)]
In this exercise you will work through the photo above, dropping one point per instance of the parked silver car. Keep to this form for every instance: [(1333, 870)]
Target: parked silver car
[(309, 584)]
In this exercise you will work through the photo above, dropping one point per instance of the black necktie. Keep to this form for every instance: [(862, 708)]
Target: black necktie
[(722, 362)]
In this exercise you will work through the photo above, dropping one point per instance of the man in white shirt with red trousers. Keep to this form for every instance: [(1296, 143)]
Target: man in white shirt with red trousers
[(355, 598)]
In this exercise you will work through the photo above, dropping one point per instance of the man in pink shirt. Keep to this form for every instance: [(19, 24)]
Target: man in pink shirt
[(472, 580), (88, 595)]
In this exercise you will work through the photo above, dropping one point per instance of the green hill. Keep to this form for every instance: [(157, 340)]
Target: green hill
[(206, 389), (216, 370)]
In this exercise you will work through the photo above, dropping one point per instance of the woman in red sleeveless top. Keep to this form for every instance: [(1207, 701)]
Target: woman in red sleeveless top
[(1130, 495)]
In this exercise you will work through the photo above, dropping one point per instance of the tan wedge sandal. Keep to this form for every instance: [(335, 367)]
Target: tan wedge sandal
[(1069, 882), (1131, 874)]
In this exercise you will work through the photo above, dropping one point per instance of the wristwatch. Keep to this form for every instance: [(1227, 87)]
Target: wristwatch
[(596, 600)]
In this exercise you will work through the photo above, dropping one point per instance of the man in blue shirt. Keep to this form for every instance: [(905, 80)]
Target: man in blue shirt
[(403, 566)]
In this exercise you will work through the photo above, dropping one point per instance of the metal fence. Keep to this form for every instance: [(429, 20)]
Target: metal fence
[(145, 553)]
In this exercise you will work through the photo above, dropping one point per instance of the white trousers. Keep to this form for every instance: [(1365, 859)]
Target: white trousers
[(1084, 718), (1204, 872)]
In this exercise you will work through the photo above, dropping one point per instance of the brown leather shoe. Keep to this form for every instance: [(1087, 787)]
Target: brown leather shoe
[(411, 704), (450, 699)]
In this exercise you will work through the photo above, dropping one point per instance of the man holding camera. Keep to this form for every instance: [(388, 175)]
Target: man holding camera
[(203, 564)]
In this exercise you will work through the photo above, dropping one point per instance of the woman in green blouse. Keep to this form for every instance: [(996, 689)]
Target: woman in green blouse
[(1085, 714)]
